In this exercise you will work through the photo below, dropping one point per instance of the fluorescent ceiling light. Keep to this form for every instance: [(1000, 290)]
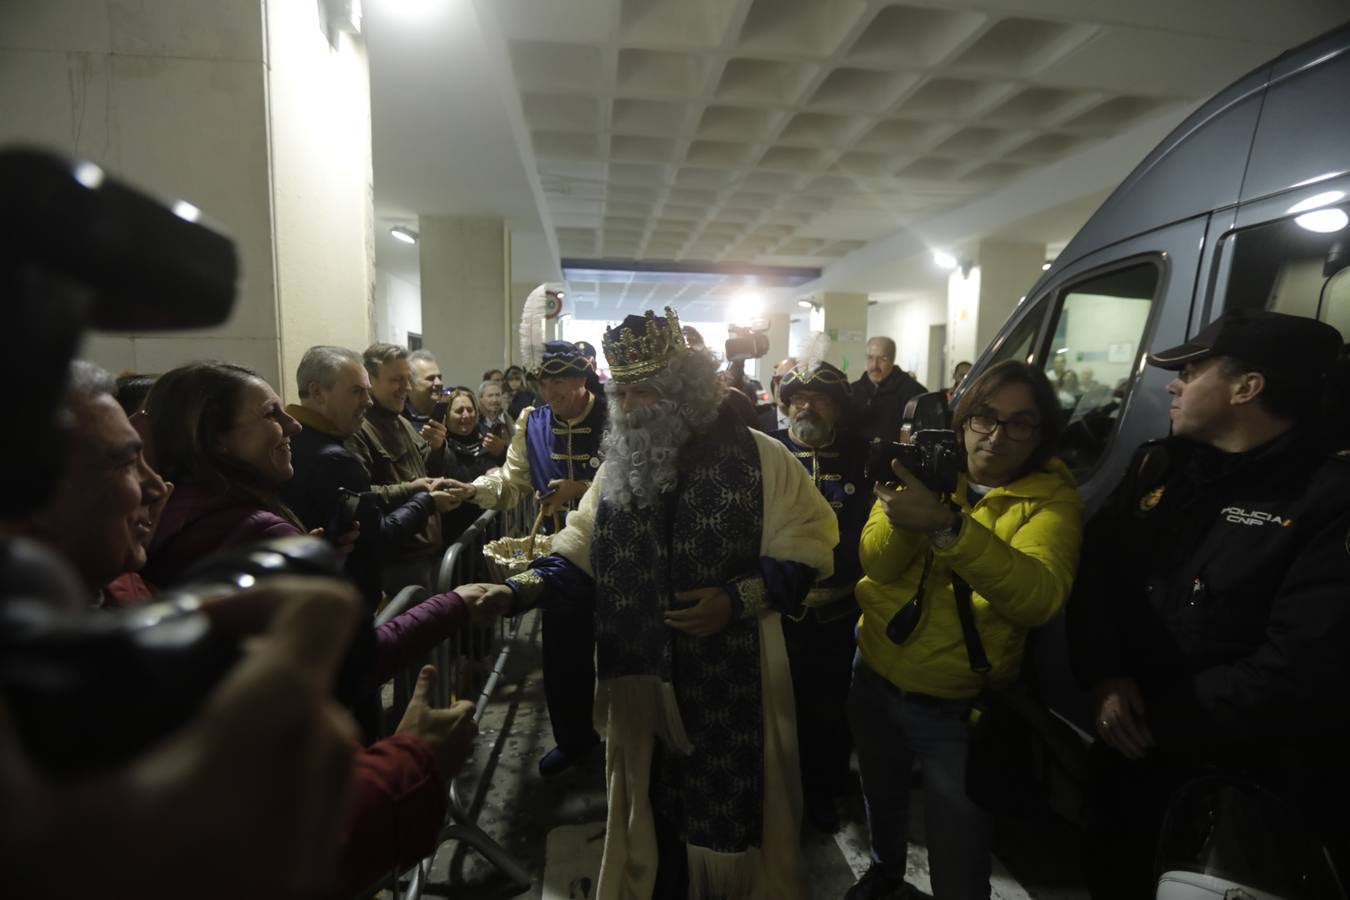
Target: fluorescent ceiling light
[(1045, 267), (186, 211), (805, 304), (1323, 221), (404, 234), (944, 260)]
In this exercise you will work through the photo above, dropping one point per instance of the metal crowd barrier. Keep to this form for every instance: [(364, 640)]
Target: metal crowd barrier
[(461, 663)]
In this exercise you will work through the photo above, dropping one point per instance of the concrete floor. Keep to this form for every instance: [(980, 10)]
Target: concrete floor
[(554, 827)]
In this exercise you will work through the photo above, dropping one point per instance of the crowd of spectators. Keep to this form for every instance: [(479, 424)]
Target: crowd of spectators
[(1206, 617)]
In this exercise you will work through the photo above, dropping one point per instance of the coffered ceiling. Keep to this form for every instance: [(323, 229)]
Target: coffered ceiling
[(797, 131)]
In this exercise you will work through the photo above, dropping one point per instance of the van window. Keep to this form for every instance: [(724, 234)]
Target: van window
[(1295, 265), (1020, 343), (1094, 353)]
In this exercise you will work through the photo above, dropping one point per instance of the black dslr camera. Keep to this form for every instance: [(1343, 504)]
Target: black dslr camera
[(932, 455)]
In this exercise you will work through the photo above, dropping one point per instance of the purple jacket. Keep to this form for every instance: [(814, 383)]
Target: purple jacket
[(196, 523)]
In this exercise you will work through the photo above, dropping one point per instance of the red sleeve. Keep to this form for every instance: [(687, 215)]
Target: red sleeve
[(398, 809), (407, 638)]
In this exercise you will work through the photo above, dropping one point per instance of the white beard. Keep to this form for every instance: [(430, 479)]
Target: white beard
[(641, 452)]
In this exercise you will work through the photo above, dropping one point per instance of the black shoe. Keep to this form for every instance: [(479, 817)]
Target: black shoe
[(557, 761), (878, 884)]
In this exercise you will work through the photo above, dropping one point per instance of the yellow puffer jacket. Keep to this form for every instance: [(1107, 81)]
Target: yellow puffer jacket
[(1018, 550)]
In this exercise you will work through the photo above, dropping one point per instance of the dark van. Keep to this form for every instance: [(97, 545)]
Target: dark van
[(1245, 204)]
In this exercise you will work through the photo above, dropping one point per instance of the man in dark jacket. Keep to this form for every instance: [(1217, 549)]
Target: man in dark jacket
[(880, 395), (820, 642), (1210, 618), (334, 400)]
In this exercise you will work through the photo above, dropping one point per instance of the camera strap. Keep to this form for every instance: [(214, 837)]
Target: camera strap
[(979, 660)]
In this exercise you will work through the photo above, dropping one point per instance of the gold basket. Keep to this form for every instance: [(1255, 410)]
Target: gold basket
[(507, 556)]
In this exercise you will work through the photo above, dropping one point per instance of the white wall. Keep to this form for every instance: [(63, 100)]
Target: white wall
[(260, 124), (169, 96), (319, 108), (398, 309), (1091, 326)]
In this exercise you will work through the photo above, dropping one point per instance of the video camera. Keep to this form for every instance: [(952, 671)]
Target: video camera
[(79, 249), (746, 343), (932, 451)]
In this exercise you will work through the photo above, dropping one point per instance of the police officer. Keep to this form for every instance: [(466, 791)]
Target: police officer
[(820, 641), (555, 454), (1211, 617)]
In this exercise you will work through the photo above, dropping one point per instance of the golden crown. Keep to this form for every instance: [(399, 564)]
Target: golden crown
[(639, 347)]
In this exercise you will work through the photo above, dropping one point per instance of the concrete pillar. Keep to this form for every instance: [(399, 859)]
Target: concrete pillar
[(1008, 269), (779, 325), (845, 324), (980, 299), (467, 315), (244, 110)]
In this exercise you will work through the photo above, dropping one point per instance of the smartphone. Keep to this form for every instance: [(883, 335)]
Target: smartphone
[(344, 514), (439, 411)]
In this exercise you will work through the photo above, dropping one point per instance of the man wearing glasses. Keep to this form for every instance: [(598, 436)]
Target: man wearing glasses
[(819, 637), (1212, 618)]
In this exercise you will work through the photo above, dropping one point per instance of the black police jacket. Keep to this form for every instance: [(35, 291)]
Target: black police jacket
[(1221, 584)]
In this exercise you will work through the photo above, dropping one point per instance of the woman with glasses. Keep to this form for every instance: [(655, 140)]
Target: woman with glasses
[(1011, 531)]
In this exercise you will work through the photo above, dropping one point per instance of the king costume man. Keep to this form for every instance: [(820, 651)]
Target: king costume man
[(700, 534)]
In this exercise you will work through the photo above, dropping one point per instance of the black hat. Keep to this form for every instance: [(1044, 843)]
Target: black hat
[(563, 358), (1295, 347), (820, 376)]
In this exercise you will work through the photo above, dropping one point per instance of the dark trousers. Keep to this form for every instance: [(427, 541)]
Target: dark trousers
[(569, 669), (820, 655)]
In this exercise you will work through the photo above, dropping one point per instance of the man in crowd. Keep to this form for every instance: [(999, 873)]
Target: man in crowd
[(698, 531), (820, 643), (881, 394), (334, 400), (1210, 618), (495, 425), (401, 461), (554, 454), (427, 387), (775, 418)]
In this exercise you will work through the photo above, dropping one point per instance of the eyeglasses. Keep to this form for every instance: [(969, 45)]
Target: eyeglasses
[(1013, 429)]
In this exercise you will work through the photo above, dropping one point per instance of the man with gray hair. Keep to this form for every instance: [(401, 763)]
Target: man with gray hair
[(104, 510), (401, 460), (881, 394), (334, 399), (699, 534)]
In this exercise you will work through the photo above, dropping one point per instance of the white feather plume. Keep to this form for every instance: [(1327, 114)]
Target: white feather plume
[(533, 317)]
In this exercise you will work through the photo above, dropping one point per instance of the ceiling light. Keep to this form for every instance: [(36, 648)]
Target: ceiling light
[(944, 260), (1323, 221), (1316, 201), (805, 304), (1045, 267), (404, 234), (746, 305)]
